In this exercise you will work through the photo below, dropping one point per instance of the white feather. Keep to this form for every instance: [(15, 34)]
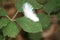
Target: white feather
[(29, 13)]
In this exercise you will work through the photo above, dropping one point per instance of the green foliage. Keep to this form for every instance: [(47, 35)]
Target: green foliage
[(58, 16), (35, 36), (50, 6), (3, 22), (43, 2), (20, 3), (2, 12), (29, 26), (34, 29), (11, 30), (58, 2), (2, 37), (44, 20)]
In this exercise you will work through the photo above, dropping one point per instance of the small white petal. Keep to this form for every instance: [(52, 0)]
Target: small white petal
[(29, 13)]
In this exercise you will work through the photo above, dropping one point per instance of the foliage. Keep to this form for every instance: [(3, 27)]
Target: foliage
[(2, 12), (20, 3), (28, 25), (10, 28), (2, 37)]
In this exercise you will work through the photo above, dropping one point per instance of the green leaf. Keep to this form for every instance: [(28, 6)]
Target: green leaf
[(35, 36), (19, 4), (11, 30), (29, 26), (42, 1), (2, 12), (58, 2), (44, 20), (4, 22), (58, 16), (50, 6), (1, 37)]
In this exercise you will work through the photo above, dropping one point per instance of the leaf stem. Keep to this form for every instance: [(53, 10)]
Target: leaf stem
[(15, 15), (13, 19)]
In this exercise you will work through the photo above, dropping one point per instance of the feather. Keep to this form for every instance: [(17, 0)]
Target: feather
[(29, 13)]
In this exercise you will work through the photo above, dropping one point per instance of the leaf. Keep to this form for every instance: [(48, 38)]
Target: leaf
[(58, 2), (2, 12), (1, 37), (19, 4), (35, 36), (4, 22), (29, 26), (42, 1), (44, 20), (58, 16), (11, 30), (50, 6)]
